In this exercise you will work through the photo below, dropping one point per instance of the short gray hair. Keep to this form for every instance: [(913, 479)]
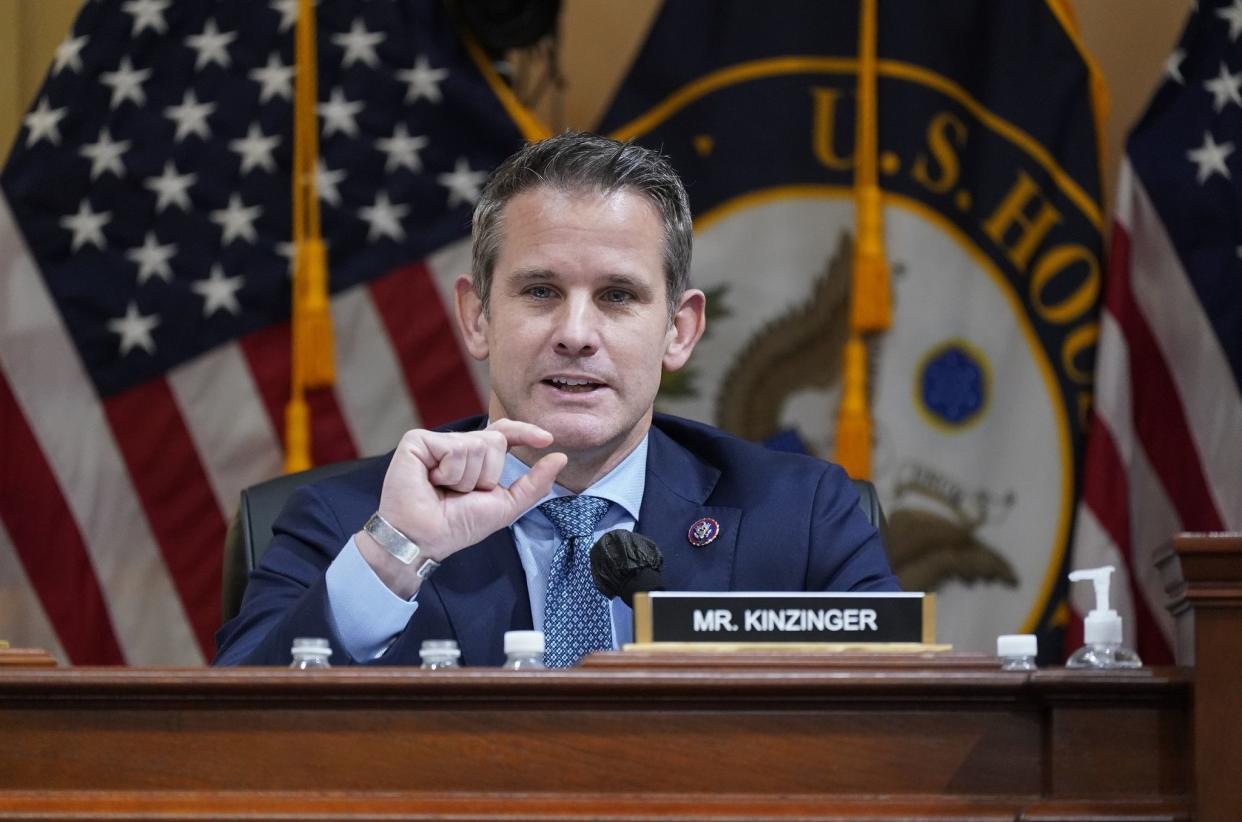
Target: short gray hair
[(581, 162)]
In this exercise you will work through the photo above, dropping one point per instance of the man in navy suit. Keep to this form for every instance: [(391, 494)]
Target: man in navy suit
[(579, 296)]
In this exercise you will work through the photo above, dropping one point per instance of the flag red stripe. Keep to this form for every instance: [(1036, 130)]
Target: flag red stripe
[(423, 337), (1105, 485), (1152, 648), (49, 544), (1159, 421), (267, 352), (330, 437), (176, 496)]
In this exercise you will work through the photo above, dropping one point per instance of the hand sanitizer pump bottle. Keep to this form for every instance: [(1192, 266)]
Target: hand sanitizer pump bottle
[(1102, 628)]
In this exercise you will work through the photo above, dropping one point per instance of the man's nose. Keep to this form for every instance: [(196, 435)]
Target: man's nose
[(577, 327)]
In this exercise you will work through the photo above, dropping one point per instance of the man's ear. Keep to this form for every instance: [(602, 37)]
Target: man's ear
[(689, 322), (471, 318)]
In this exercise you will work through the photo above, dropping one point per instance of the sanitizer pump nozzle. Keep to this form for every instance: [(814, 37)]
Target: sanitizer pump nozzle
[(1102, 636), (1103, 624)]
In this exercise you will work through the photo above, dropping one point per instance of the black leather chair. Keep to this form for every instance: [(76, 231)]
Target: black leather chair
[(250, 532)]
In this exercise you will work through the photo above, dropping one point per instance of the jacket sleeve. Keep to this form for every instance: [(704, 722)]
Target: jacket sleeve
[(287, 594), (846, 551)]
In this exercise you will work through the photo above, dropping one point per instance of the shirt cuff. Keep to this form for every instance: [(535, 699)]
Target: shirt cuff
[(368, 615)]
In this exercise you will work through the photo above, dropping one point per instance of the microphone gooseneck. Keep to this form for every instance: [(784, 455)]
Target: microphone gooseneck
[(624, 563)]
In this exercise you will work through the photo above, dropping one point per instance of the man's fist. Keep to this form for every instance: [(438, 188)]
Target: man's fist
[(442, 491)]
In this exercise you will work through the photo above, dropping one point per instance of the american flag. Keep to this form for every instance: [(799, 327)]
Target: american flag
[(1165, 440), (144, 292)]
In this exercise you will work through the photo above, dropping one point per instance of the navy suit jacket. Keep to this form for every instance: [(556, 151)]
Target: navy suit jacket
[(787, 523)]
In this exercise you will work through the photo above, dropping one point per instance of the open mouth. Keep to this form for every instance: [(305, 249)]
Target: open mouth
[(573, 386)]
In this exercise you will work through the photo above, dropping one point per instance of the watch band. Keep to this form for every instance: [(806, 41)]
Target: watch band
[(398, 544)]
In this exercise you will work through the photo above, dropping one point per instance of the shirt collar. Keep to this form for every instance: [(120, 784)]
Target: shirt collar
[(623, 485)]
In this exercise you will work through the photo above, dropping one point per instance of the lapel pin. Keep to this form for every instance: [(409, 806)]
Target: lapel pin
[(703, 531)]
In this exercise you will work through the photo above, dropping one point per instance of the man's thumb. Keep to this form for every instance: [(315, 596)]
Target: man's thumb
[(537, 482)]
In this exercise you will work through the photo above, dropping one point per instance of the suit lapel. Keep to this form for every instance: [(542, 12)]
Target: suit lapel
[(678, 485), (483, 591)]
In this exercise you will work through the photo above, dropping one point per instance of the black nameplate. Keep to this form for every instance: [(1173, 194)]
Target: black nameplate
[(733, 617)]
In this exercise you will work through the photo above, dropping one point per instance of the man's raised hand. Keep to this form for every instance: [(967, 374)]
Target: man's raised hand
[(442, 490)]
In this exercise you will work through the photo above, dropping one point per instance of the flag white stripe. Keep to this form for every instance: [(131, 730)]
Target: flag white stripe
[(1197, 363), (232, 433), (23, 621), (370, 384), (68, 420), (446, 265), (1112, 388)]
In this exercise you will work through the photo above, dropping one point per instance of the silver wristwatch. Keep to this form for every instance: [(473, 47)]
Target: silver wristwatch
[(398, 544)]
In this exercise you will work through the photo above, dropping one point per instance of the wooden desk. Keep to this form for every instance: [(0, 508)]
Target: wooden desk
[(626, 736), (945, 740)]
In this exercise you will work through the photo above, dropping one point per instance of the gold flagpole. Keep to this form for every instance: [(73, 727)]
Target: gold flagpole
[(871, 298), (311, 361)]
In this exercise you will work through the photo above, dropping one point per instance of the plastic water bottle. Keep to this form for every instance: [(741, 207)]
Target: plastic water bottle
[(439, 654), (1017, 651), (310, 652), (523, 650)]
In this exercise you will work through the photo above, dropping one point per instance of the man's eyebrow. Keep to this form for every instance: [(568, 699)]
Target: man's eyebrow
[(530, 275), (626, 281)]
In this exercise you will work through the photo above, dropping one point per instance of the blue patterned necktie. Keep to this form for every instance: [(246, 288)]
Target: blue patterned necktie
[(577, 618)]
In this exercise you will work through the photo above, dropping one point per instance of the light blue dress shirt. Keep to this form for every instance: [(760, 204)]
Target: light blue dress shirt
[(369, 616)]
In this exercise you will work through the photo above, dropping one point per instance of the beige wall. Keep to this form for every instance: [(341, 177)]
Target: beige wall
[(1128, 38), (30, 30)]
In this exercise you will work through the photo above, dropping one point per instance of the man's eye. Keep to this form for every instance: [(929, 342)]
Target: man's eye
[(539, 292), (616, 295)]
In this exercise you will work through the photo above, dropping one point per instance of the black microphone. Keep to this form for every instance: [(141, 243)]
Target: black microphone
[(624, 563)]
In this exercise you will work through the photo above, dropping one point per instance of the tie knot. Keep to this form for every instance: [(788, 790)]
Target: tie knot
[(575, 516)]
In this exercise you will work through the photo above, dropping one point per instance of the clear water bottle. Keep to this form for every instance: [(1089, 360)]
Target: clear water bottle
[(1017, 651), (311, 652), (523, 650), (439, 654)]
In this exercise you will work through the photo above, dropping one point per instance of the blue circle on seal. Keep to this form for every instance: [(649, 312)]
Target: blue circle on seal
[(953, 385)]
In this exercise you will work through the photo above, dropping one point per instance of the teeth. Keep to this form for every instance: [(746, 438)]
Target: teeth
[(565, 381)]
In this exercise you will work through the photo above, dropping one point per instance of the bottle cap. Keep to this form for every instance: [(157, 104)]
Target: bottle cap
[(1016, 645), (1102, 629), (311, 644), (440, 647), (523, 642)]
